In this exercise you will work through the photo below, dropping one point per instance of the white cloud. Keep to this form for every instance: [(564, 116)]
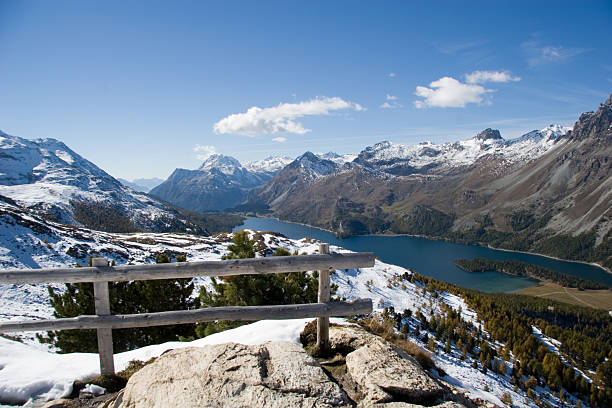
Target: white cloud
[(391, 103), (447, 92), (204, 151), (281, 118), (480, 77), (392, 75), (279, 139)]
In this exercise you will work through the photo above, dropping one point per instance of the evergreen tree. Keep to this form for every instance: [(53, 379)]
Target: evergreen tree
[(253, 290), (125, 298)]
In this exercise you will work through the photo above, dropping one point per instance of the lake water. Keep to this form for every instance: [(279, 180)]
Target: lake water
[(434, 258)]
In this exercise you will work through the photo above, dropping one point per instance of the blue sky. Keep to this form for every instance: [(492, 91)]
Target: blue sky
[(143, 87)]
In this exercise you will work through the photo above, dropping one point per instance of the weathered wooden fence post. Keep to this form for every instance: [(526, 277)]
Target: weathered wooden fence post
[(324, 296), (105, 336)]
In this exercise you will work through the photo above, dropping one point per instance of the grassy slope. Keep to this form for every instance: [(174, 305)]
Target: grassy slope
[(599, 299)]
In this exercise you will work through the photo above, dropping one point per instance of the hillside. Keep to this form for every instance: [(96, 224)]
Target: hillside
[(470, 358)]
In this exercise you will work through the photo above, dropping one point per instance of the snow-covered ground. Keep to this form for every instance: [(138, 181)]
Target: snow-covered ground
[(30, 371)]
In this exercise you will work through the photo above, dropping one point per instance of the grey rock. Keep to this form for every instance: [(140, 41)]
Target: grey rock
[(489, 134), (60, 403), (383, 372), (276, 374), (385, 375), (447, 404)]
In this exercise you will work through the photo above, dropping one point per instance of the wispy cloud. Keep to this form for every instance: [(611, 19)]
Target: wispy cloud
[(279, 139), (391, 102), (204, 151), (458, 47), (480, 77), (539, 54), (392, 75), (281, 118)]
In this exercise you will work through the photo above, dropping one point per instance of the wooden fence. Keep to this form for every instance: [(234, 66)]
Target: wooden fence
[(103, 321)]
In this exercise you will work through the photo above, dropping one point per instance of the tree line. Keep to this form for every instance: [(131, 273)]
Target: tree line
[(518, 268)]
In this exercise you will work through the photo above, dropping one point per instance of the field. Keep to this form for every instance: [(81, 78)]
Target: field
[(599, 299)]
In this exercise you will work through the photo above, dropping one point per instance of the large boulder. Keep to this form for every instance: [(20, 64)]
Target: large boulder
[(383, 372), (275, 374)]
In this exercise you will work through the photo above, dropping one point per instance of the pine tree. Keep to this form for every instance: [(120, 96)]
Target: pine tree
[(125, 298), (431, 344), (253, 290)]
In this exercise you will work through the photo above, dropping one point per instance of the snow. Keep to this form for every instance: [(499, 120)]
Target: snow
[(270, 164), (552, 344), (224, 164)]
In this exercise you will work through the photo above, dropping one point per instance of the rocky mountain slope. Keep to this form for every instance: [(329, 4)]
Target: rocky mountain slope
[(518, 194), (220, 182), (46, 176)]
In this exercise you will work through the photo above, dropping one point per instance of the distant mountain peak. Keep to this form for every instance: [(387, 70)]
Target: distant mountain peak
[(489, 134), (221, 162), (310, 156), (270, 164)]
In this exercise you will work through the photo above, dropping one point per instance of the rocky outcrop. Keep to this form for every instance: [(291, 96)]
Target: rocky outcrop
[(489, 134), (365, 372), (384, 373), (276, 374)]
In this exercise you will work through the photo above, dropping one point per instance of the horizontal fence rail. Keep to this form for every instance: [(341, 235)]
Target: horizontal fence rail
[(251, 266), (242, 313), (104, 322)]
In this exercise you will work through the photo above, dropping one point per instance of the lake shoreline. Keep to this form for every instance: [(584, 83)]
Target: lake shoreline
[(447, 240)]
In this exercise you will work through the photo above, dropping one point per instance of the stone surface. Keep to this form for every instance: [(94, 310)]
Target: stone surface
[(383, 372), (384, 375), (447, 404), (275, 374), (352, 337), (60, 403)]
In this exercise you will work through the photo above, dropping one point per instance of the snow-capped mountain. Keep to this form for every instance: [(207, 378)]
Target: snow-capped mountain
[(314, 166), (338, 158), (27, 241), (431, 158), (220, 182), (269, 165), (46, 175), (485, 190), (221, 163)]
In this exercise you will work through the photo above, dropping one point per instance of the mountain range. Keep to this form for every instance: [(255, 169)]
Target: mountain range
[(548, 191)]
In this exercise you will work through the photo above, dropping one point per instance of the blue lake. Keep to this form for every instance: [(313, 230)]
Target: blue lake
[(434, 258)]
